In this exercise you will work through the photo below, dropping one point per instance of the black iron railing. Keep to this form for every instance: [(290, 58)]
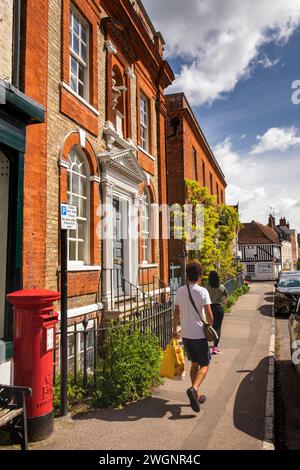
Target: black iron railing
[(85, 341), (128, 297)]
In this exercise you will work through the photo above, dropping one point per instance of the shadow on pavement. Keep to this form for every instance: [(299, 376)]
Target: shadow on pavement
[(147, 408), (266, 310), (250, 401)]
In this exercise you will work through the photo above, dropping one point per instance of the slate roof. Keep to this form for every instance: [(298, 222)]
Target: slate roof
[(255, 233)]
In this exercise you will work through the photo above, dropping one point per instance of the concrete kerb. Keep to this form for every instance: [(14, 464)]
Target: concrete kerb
[(268, 443)]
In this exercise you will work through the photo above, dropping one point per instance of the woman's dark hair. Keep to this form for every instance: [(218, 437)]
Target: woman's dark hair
[(213, 279), (194, 272)]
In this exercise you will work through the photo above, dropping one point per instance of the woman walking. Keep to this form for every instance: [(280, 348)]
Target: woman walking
[(218, 295)]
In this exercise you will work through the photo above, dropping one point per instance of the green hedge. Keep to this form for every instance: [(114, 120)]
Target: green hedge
[(128, 371), (130, 368), (232, 298)]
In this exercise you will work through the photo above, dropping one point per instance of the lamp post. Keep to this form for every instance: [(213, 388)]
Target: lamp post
[(183, 263)]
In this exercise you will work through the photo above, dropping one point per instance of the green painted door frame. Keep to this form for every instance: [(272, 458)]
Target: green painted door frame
[(17, 112)]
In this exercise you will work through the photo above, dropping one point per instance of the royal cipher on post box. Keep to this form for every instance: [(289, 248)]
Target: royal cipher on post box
[(34, 342)]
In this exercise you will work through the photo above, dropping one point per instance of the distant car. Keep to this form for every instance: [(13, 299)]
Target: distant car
[(287, 292), (294, 329)]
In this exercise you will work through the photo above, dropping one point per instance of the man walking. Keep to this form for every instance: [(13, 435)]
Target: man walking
[(194, 340)]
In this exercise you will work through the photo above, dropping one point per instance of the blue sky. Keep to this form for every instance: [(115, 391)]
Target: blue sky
[(257, 103), (236, 65)]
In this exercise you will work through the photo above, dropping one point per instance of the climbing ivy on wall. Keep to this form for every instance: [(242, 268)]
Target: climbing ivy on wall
[(221, 225)]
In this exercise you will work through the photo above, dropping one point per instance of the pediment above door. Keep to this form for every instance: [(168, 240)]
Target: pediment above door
[(123, 162)]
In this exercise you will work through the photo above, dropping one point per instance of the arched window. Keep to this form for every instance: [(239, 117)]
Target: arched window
[(78, 195), (146, 227)]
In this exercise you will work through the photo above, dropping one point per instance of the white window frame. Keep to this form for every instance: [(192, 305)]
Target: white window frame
[(146, 234), (77, 58), (252, 270), (86, 219), (144, 121)]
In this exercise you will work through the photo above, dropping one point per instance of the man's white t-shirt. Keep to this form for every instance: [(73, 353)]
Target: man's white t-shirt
[(191, 324)]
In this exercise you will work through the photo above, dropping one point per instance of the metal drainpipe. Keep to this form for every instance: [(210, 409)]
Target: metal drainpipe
[(16, 43), (167, 174)]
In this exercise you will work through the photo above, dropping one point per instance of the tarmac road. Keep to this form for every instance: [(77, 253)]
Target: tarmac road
[(287, 392)]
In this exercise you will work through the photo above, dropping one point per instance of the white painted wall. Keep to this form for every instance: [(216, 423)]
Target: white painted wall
[(6, 373), (287, 256), (262, 271)]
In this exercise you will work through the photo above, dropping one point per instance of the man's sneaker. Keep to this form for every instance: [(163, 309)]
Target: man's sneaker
[(215, 350), (192, 394), (202, 399)]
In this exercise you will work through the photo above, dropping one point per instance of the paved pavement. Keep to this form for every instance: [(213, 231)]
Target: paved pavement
[(232, 418), (287, 392)]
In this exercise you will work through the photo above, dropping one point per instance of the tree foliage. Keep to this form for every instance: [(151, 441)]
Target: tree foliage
[(221, 225)]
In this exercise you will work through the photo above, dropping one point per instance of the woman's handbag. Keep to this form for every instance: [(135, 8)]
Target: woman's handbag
[(209, 331)]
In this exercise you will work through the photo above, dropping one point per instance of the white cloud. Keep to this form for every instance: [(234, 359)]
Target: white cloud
[(280, 139), (267, 63), (220, 41), (258, 184)]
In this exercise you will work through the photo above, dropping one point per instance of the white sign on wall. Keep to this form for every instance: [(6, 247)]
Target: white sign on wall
[(265, 268), (68, 217)]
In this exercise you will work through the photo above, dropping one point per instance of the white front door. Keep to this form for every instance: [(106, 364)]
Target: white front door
[(4, 197)]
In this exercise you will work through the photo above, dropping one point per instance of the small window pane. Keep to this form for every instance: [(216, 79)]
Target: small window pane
[(73, 234), (83, 186), (75, 184), (73, 66), (80, 251), (81, 226), (76, 24), (82, 210), (76, 44), (83, 52), (72, 250), (81, 73), (73, 83), (81, 89)]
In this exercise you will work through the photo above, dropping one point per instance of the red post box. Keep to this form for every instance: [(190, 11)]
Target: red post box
[(34, 343)]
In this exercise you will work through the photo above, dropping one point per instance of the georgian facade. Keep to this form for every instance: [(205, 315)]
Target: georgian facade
[(97, 70), (107, 115)]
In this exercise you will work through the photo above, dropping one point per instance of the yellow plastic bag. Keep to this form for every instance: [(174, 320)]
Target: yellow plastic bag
[(173, 364)]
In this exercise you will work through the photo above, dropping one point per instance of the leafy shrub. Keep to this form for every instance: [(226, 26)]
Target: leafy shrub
[(130, 367), (232, 298), (75, 392)]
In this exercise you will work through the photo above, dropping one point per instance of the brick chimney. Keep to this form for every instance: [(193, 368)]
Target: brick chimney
[(284, 223)]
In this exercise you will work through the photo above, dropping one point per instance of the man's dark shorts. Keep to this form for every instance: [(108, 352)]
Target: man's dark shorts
[(197, 350)]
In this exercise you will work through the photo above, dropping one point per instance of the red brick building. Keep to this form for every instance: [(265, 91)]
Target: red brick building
[(189, 156), (97, 72)]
